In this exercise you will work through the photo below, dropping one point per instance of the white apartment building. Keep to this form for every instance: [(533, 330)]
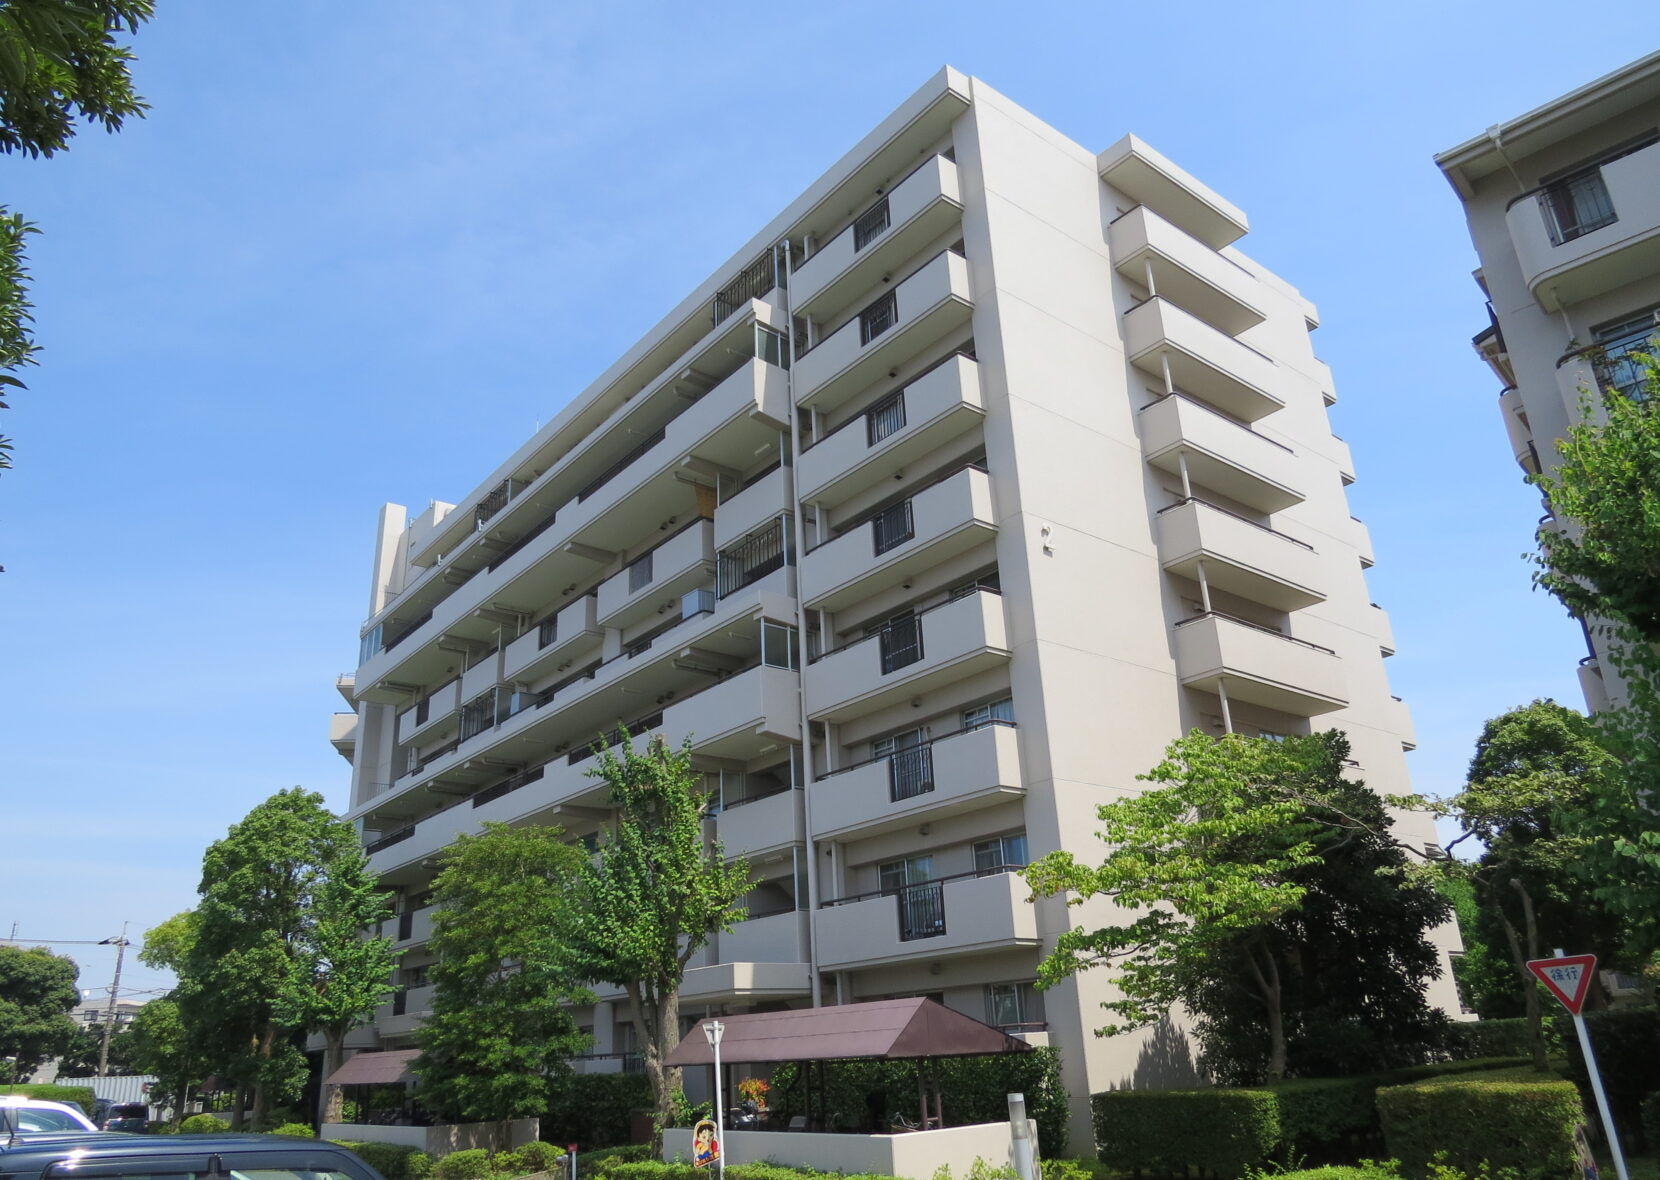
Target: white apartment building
[(982, 472), (1564, 210)]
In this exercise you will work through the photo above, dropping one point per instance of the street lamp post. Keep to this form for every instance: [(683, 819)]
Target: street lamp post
[(713, 1030)]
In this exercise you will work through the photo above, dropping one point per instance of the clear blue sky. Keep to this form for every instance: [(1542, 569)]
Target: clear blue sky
[(357, 252)]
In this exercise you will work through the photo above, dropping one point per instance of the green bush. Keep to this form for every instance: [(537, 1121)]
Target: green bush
[(1320, 1117), (1364, 1170), (592, 1111), (417, 1165), (1650, 1119), (533, 1157), (296, 1130), (592, 1164), (392, 1160), (1506, 1037), (78, 1096), (1075, 1170), (1222, 1132), (1627, 1045), (655, 1170), (472, 1164), (205, 1124), (1511, 1119)]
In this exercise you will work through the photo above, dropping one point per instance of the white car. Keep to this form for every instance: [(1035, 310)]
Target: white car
[(23, 1115)]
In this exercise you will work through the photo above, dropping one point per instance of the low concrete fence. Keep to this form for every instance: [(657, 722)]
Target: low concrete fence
[(915, 1155), (439, 1140)]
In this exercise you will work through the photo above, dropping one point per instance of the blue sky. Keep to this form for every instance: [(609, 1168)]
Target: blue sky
[(358, 251)]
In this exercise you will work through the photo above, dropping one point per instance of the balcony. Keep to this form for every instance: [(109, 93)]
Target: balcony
[(433, 717), (1363, 542), (1209, 365), (343, 734), (1590, 234), (915, 212), (1386, 633), (736, 718), (1240, 556), (761, 825), (1258, 665), (566, 638), (937, 523), (1145, 175), (1220, 454), (1345, 460), (414, 926), (951, 775), (953, 916), (933, 409), (651, 585), (1401, 723), (1147, 249), (762, 501), (949, 642), (918, 312), (772, 938)]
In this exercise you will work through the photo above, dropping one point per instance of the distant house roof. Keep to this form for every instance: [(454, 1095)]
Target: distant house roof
[(375, 1069), (913, 1027)]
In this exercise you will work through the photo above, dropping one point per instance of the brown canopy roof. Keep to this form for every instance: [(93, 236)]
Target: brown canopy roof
[(915, 1027), (375, 1069)]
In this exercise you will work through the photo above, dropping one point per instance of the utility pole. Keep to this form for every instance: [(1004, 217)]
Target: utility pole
[(120, 944)]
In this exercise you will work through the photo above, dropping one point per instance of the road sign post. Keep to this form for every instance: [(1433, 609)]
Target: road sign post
[(1568, 978)]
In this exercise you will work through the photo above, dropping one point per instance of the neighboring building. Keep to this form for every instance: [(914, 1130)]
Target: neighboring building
[(981, 473), (1564, 209), (92, 1012)]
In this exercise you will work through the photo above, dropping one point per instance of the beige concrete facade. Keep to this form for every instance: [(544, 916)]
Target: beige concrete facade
[(985, 470), (1563, 205)]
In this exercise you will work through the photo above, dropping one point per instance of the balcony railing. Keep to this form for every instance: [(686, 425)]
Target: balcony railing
[(1274, 631), (751, 559), (921, 911), (871, 224), (498, 499), (910, 772), (884, 418), (754, 281), (543, 526), (893, 526), (901, 642), (1576, 205), (1236, 516), (878, 317), (391, 838), (622, 464), (507, 786)]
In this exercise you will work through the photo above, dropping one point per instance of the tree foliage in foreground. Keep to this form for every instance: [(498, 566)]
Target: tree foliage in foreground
[(58, 58), (1224, 900), (37, 992), (653, 896), (496, 1044)]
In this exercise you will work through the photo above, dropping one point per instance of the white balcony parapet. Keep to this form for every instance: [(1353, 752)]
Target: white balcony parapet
[(1151, 251), (760, 502), (934, 408), (1253, 663), (957, 773), (954, 916), (1165, 341), (937, 523), (439, 711), (920, 310), (1135, 169), (772, 938), (1219, 453), (566, 637), (761, 825), (654, 581), (1240, 556), (914, 212)]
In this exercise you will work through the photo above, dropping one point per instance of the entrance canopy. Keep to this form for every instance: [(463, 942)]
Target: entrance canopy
[(375, 1069), (915, 1027)]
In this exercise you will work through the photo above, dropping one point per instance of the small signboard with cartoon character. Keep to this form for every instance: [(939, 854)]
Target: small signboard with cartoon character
[(705, 1144)]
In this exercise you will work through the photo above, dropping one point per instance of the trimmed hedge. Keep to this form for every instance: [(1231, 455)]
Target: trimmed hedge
[(1222, 1132), (1514, 1119), (1650, 1120), (294, 1131), (204, 1124), (1506, 1037), (391, 1160), (471, 1164), (1627, 1045), (653, 1170), (79, 1096), (592, 1164), (592, 1110)]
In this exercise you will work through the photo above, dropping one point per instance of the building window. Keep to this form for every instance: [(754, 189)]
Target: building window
[(1618, 344), (988, 713), (901, 640), (884, 418), (991, 580), (639, 573), (772, 346), (878, 318), (1001, 854), (913, 870), (779, 646), (1014, 1007), (1575, 205), (910, 763), (872, 224), (892, 527), (547, 631)]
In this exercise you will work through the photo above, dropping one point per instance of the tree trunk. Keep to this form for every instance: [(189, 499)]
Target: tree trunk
[(331, 1101), (262, 1084), (1530, 990), (1276, 1021), (240, 1099)]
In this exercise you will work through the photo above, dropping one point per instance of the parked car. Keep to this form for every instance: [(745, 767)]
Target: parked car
[(114, 1155), (127, 1116), (29, 1115)]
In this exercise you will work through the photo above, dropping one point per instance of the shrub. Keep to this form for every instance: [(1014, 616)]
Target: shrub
[(533, 1157), (1489, 1038), (472, 1164), (1627, 1045), (392, 1160), (1512, 1119), (592, 1164), (1364, 1170), (297, 1130), (593, 1110), (1223, 1132), (1319, 1116), (205, 1124), (417, 1165), (81, 1097)]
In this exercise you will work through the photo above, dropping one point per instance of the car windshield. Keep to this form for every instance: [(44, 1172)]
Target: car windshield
[(30, 1118)]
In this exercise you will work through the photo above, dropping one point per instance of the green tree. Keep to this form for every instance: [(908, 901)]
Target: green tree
[(1532, 766), (1354, 956), (497, 1043), (37, 992), (253, 931), (80, 1059), (58, 58), (653, 896), (339, 972), (162, 1046), (1486, 977)]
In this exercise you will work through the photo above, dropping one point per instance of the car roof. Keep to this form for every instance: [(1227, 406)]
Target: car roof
[(120, 1143)]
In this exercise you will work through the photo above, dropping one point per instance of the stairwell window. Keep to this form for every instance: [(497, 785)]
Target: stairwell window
[(878, 317), (639, 573)]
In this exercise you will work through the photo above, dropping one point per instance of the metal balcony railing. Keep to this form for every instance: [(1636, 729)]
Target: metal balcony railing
[(507, 785), (751, 559), (884, 418), (893, 526), (871, 224), (754, 281), (622, 464), (1576, 205), (901, 642), (921, 911), (397, 837), (910, 772), (878, 317)]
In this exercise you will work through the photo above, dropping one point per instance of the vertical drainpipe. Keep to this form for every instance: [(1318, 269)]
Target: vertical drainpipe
[(816, 989)]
